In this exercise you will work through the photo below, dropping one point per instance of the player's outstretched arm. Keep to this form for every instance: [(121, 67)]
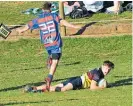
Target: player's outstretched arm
[(25, 28), (67, 24)]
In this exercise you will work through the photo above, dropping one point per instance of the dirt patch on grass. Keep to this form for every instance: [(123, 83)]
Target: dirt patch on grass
[(99, 30), (86, 31)]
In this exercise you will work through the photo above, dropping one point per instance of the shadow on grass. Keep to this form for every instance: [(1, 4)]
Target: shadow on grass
[(25, 69), (34, 84), (84, 28), (68, 64), (28, 69), (122, 82), (17, 103)]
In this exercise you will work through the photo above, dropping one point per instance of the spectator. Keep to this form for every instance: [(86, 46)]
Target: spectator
[(113, 7), (69, 6)]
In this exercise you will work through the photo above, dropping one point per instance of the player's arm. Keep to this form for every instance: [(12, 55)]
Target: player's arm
[(31, 25), (25, 28), (94, 86), (67, 24)]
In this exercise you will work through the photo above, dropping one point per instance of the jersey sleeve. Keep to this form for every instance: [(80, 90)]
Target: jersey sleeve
[(33, 24), (58, 18)]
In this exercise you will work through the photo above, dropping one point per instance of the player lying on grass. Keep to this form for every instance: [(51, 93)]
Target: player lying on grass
[(89, 80)]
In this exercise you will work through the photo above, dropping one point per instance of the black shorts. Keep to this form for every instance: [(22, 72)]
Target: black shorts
[(75, 81), (56, 56)]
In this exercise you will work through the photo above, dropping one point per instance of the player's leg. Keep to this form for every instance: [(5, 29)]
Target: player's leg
[(53, 88), (51, 73), (29, 88), (67, 87), (56, 88), (55, 55), (55, 60), (52, 56), (49, 61), (41, 88), (73, 84)]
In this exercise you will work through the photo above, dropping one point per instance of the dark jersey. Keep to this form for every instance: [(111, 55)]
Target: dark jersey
[(95, 74)]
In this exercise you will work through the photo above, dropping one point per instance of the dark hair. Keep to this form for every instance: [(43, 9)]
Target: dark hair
[(109, 64), (46, 5)]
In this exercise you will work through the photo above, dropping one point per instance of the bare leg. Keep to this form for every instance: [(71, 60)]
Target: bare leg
[(67, 87), (117, 6), (41, 87), (53, 67), (52, 88), (51, 73)]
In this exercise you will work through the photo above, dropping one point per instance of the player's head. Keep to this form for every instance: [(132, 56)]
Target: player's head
[(47, 5), (107, 66)]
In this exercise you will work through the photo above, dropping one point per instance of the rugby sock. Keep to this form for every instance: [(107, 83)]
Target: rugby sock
[(58, 89)]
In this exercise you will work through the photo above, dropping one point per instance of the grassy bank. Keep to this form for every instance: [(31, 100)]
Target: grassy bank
[(11, 13)]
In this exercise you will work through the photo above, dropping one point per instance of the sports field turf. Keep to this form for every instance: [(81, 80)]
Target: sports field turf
[(23, 62)]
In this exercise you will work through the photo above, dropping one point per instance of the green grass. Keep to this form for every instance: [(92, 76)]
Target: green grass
[(14, 9), (23, 62), (11, 13)]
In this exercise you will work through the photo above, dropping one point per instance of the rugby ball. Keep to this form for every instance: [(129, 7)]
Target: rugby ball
[(102, 83)]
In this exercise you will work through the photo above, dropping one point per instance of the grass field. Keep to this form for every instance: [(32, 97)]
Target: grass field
[(23, 62)]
